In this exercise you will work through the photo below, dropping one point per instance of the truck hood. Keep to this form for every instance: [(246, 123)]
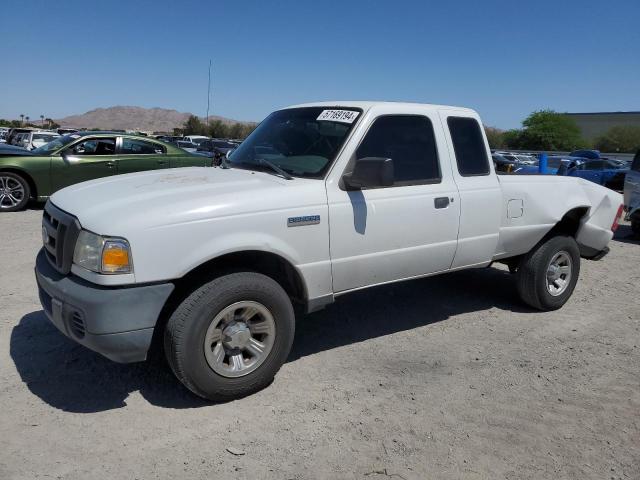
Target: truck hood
[(114, 205)]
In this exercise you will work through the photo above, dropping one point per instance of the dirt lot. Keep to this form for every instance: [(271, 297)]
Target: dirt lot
[(447, 377)]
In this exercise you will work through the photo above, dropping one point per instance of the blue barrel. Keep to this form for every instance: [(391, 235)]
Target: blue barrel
[(542, 163)]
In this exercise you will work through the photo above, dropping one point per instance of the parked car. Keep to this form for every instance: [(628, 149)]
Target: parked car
[(20, 139), (345, 197), (195, 139), (75, 158), (606, 172), (67, 131), (589, 154), (7, 150), (632, 194), (519, 158), (36, 139), (554, 164), (14, 132), (215, 148), (526, 159), (504, 164), (187, 146)]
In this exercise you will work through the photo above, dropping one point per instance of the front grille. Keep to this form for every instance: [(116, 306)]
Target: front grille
[(59, 234)]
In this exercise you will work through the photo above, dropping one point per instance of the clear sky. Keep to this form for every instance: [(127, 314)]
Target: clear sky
[(503, 58)]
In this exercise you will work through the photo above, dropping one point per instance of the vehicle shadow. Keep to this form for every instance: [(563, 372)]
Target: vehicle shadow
[(35, 205), (624, 234), (69, 377)]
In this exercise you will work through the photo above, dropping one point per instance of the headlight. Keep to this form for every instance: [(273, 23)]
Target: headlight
[(102, 255)]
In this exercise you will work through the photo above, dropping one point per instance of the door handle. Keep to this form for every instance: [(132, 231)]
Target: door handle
[(110, 164), (161, 162), (441, 202)]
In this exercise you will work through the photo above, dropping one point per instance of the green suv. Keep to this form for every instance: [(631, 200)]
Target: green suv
[(83, 156)]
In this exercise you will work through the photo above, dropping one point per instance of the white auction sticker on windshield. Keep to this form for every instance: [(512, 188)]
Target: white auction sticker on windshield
[(343, 116)]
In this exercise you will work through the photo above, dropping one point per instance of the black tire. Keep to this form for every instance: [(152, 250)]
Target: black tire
[(532, 273), (4, 205), (186, 329)]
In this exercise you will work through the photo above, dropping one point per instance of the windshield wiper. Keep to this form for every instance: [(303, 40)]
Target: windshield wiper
[(275, 168)]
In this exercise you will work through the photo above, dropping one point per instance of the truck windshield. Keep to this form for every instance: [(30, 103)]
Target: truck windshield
[(301, 141)]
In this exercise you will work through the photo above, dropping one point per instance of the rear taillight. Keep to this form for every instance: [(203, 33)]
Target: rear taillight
[(616, 221)]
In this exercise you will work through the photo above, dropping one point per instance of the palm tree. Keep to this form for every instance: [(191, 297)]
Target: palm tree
[(27, 119), (49, 121), (22, 119), (42, 120)]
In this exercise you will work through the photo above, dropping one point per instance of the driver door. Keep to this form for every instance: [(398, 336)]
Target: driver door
[(405, 230), (87, 159)]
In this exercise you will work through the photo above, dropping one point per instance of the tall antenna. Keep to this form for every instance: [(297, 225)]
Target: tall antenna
[(209, 92)]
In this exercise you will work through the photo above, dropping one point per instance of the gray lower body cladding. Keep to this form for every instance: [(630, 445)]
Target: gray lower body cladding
[(115, 322)]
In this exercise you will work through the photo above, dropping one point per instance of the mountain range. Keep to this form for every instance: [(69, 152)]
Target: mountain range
[(132, 118)]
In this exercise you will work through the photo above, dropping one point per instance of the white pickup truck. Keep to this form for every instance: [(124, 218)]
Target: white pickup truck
[(320, 200)]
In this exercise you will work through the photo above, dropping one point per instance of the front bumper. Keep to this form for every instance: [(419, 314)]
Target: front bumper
[(115, 322)]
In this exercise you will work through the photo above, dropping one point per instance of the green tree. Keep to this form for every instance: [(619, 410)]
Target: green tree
[(247, 128), (218, 129), (193, 126), (513, 139), (495, 137), (548, 130), (621, 138), (235, 130)]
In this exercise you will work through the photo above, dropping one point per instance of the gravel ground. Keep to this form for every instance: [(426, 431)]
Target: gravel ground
[(446, 377)]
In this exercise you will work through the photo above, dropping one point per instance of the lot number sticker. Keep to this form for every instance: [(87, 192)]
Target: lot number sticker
[(342, 116)]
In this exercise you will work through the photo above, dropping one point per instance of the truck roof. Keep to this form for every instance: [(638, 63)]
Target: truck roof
[(366, 105)]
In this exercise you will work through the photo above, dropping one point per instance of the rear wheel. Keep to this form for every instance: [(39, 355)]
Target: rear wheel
[(230, 337), (14, 192), (548, 274)]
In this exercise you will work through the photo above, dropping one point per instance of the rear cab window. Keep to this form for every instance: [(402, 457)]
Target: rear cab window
[(469, 146)]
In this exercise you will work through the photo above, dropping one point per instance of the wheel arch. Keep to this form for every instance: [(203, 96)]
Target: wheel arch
[(268, 263), (259, 261), (569, 224), (32, 184)]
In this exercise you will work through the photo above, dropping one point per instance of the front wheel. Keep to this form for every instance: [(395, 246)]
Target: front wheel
[(548, 274), (231, 336), (14, 192)]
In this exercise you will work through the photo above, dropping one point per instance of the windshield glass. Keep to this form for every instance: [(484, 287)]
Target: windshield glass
[(301, 141), (54, 145)]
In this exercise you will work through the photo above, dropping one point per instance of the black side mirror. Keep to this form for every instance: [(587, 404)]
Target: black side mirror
[(370, 172)]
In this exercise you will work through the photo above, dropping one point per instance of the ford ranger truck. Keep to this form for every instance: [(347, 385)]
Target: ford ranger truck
[(320, 200)]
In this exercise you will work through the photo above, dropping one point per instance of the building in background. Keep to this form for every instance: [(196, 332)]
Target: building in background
[(595, 124)]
